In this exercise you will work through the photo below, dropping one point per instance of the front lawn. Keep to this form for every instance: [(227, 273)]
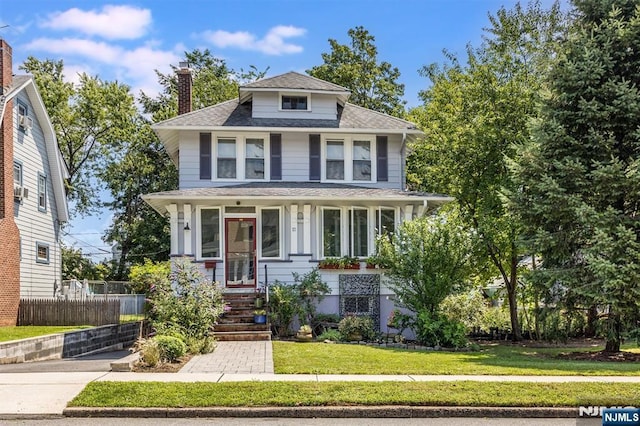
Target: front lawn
[(291, 394), (323, 358), (25, 332)]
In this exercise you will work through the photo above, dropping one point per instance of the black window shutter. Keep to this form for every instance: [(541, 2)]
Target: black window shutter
[(314, 157), (382, 157), (205, 155), (275, 140)]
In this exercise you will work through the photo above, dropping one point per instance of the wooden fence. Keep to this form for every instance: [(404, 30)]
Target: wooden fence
[(68, 312)]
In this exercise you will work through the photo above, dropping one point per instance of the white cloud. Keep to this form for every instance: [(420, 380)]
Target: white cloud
[(273, 43), (112, 22)]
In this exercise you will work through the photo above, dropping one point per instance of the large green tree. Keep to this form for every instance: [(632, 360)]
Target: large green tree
[(90, 119), (475, 117), (373, 84), (581, 181)]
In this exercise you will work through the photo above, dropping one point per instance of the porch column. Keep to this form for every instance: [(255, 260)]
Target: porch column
[(306, 210), (188, 227), (408, 212), (173, 223), (294, 228)]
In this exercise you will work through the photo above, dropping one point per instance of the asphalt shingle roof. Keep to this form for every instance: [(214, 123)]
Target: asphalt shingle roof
[(295, 81)]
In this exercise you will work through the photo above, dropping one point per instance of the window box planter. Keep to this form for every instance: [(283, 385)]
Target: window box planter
[(344, 262)]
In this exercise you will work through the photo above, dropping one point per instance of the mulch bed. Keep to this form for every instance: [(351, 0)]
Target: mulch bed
[(165, 367), (601, 356)]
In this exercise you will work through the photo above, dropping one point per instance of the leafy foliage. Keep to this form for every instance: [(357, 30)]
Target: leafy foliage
[(373, 84), (311, 290), (283, 307), (77, 266), (190, 306), (171, 348), (581, 179), (147, 276), (353, 326), (435, 329)]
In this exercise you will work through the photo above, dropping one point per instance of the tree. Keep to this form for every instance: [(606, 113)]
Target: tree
[(90, 120), (475, 118), (426, 260), (373, 85), (581, 181), (75, 266)]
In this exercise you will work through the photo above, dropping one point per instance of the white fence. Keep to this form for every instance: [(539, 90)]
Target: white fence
[(130, 303)]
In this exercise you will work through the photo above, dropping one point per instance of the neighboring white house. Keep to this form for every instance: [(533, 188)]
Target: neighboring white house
[(286, 175), (36, 192)]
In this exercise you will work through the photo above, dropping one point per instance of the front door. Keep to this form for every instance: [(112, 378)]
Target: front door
[(240, 261)]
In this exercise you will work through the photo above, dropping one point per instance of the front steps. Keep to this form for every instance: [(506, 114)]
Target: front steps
[(238, 324)]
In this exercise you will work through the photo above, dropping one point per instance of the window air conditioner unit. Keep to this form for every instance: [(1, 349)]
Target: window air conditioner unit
[(26, 122), (20, 192)]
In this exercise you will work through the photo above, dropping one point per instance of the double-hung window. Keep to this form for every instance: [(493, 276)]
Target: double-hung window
[(42, 192), (17, 173), (227, 158), (210, 232), (361, 160), (254, 159), (331, 232), (335, 160)]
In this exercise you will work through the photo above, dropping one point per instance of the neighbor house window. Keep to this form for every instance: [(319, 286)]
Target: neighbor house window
[(254, 159), (359, 232), (385, 221), (42, 253), (42, 192), (335, 160), (294, 103), (17, 173), (210, 233), (270, 228), (227, 158), (23, 114), (361, 160), (331, 235)]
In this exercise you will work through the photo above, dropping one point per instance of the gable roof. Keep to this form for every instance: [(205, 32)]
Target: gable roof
[(293, 82), (56, 164)]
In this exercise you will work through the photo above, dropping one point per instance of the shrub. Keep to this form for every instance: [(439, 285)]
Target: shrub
[(149, 351), (200, 345), (332, 335), (354, 325), (438, 330), (311, 291), (171, 348), (283, 307), (467, 308)]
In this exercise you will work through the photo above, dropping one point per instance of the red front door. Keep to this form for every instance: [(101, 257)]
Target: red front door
[(240, 252)]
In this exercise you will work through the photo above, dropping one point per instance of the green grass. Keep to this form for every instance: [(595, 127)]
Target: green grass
[(290, 394), (24, 332), (131, 317), (322, 358)]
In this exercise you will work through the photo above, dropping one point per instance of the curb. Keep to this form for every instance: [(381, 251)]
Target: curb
[(386, 411)]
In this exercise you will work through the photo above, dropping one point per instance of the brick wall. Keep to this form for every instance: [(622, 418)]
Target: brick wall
[(10, 246), (184, 90)]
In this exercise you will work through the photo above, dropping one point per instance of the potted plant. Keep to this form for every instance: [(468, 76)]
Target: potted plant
[(304, 334), (329, 263), (260, 316), (348, 262), (354, 328)]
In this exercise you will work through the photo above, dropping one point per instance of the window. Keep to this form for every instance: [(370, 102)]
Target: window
[(385, 221), (17, 173), (42, 253), (227, 158), (270, 223), (205, 155), (361, 160), (359, 232), (335, 160), (42, 192), (294, 103), (210, 233), (254, 162), (331, 246), (23, 116), (357, 305)]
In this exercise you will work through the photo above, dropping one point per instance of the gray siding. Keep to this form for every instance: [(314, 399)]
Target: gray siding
[(267, 105), (36, 279)]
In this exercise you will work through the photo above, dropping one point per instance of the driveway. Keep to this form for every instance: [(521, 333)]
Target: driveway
[(89, 363)]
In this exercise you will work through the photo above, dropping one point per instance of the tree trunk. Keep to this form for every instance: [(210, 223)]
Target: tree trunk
[(513, 313), (592, 319), (614, 337)]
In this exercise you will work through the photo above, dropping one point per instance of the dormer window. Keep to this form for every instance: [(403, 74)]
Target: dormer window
[(298, 103)]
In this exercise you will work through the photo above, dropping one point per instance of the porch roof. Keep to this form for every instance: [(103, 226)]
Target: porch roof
[(293, 191)]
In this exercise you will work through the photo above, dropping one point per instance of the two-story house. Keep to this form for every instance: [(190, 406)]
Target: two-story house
[(286, 175), (33, 204)]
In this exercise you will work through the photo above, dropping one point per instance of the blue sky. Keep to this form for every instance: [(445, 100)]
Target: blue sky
[(128, 40)]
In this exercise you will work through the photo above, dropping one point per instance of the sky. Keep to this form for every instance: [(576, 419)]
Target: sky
[(127, 41)]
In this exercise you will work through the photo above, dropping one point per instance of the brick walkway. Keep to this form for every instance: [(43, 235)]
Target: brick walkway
[(234, 357)]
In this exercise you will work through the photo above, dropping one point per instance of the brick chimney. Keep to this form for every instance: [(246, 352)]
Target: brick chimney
[(10, 246), (184, 88)]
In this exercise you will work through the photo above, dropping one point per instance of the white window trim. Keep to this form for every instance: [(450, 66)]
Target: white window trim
[(215, 157), (348, 157), (42, 209), (199, 232), (344, 237), (282, 234), (267, 157), (352, 228), (296, 94)]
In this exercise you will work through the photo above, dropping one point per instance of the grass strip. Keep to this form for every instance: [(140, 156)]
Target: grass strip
[(25, 332), (292, 394), (322, 358)]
